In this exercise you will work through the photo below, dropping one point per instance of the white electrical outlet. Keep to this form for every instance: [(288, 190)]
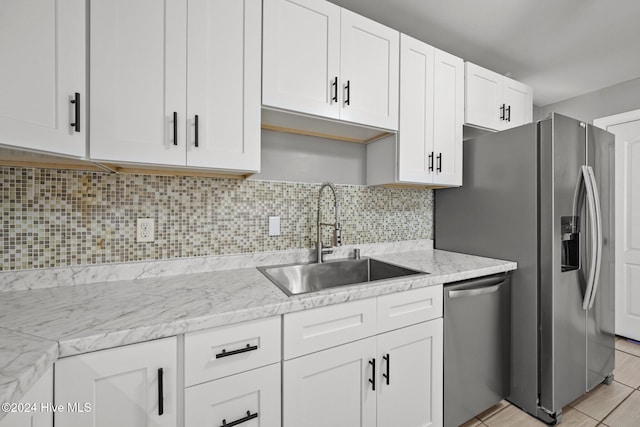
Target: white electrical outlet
[(145, 230)]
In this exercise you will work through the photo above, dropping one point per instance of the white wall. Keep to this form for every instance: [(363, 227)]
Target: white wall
[(604, 102)]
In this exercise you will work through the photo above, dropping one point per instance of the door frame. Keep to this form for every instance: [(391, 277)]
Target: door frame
[(604, 123)]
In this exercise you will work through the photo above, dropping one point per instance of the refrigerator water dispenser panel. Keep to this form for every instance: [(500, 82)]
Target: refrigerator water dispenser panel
[(570, 243)]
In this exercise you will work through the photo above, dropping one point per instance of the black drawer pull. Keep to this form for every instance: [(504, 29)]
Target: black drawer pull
[(502, 112), (160, 392), (196, 135), (387, 359), (372, 380), (431, 162), (439, 169), (334, 98), (175, 128), (76, 103), (249, 416), (225, 353), (347, 87), (509, 113)]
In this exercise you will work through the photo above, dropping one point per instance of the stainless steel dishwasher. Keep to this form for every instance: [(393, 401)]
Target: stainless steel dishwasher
[(477, 329)]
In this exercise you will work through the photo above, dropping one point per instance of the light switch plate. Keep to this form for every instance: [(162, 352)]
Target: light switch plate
[(274, 226)]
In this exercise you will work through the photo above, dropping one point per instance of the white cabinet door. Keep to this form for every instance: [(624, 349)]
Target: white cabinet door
[(415, 136), (301, 56), (122, 385), (223, 84), (40, 394), (369, 67), (411, 374), (251, 398), (448, 118), (483, 97), (518, 98), (138, 81), (331, 387), (42, 67)]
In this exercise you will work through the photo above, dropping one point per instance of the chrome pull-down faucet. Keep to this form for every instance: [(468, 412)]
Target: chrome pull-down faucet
[(337, 231)]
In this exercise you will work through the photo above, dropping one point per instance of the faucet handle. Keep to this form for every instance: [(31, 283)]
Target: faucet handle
[(337, 236)]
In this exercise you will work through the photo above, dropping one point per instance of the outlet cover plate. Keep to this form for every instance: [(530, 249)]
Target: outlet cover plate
[(145, 230)]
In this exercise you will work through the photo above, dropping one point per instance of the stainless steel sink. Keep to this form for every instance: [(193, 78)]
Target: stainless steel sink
[(296, 279)]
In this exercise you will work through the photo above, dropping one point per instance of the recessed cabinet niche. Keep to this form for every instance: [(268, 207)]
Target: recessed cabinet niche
[(327, 61), (176, 83)]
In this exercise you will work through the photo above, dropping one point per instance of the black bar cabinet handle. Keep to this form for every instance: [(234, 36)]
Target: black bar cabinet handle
[(509, 113), (502, 112), (195, 142), (431, 162), (76, 102), (249, 416), (175, 128), (439, 162), (160, 392), (372, 380), (387, 359), (334, 85), (347, 100), (225, 353)]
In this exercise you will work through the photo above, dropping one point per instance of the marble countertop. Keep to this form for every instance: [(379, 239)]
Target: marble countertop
[(39, 325)]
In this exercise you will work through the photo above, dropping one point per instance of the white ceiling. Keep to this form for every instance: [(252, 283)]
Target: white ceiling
[(562, 48)]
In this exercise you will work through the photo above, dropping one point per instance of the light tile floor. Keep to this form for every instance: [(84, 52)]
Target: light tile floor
[(615, 405)]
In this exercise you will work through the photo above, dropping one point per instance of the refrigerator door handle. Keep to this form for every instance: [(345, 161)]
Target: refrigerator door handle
[(598, 220), (586, 179)]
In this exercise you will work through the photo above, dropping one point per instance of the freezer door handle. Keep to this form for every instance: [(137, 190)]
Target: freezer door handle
[(599, 242), (595, 237), (462, 293)]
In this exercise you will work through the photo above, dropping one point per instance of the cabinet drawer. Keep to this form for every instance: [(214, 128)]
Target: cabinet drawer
[(229, 399), (408, 308), (312, 330), (231, 349)]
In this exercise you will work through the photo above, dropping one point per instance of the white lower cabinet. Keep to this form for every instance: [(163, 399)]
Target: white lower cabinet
[(134, 385), (391, 379), (249, 399), (410, 380), (39, 398), (331, 387), (394, 379)]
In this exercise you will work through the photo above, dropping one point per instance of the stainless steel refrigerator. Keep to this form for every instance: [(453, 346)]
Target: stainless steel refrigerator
[(542, 194)]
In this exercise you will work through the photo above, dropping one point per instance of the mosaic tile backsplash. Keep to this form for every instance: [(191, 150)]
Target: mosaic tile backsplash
[(61, 218)]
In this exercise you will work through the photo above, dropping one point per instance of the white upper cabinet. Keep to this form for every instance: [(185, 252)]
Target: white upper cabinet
[(223, 84), (518, 98), (428, 150), (415, 139), (369, 65), (301, 56), (43, 76), (151, 83), (138, 81), (494, 101), (448, 119), (322, 60)]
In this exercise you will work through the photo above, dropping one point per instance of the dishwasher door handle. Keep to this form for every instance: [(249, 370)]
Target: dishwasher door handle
[(476, 291)]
